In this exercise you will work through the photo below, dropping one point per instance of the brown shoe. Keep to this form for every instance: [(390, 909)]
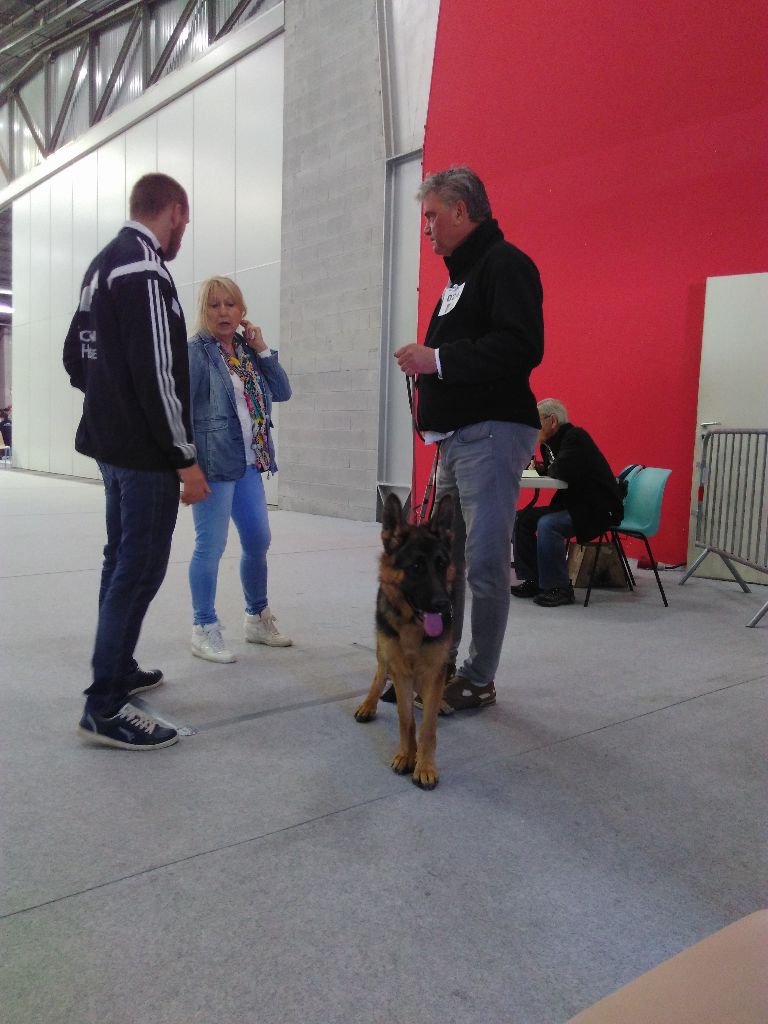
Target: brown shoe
[(460, 695)]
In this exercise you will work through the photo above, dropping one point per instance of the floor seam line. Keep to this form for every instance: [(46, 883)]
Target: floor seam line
[(635, 718), (355, 694), (195, 856)]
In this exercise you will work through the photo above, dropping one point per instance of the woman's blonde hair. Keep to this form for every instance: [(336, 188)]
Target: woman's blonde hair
[(224, 284)]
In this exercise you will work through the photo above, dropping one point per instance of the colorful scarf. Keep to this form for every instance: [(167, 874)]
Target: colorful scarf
[(242, 364)]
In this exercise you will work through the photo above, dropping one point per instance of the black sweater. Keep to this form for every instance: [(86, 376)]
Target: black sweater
[(127, 350), (592, 496), (490, 338)]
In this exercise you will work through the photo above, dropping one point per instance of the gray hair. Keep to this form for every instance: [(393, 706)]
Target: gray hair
[(458, 183), (553, 407)]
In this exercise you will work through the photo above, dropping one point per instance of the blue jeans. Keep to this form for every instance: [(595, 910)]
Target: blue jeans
[(539, 546), (480, 465), (245, 503), (141, 510)]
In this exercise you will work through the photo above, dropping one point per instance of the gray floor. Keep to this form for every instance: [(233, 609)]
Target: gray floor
[(605, 814)]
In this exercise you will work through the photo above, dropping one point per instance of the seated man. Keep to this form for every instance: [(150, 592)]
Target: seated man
[(590, 504)]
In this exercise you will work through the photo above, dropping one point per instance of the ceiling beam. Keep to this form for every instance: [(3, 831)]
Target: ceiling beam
[(170, 46), (67, 101), (59, 42), (36, 136), (125, 49), (235, 17)]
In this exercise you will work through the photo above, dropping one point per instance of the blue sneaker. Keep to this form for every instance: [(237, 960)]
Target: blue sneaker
[(129, 729), (140, 682)]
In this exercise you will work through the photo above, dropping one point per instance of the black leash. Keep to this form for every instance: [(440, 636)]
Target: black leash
[(428, 501)]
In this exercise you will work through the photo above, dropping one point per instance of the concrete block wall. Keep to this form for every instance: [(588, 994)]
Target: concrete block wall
[(332, 251)]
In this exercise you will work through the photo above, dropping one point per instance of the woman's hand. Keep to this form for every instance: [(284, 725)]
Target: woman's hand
[(254, 336)]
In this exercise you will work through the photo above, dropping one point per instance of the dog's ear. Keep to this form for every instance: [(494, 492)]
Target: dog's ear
[(392, 521), (441, 522)]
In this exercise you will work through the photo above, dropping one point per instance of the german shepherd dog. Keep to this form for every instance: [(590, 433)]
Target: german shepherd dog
[(413, 630)]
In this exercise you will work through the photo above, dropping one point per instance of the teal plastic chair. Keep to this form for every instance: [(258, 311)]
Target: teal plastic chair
[(642, 516)]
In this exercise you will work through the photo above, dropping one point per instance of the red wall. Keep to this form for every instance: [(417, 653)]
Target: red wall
[(624, 149)]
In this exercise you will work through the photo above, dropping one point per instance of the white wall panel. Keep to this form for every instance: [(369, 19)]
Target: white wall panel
[(400, 322), (140, 153), (63, 284), (214, 177), (261, 291), (21, 248), (411, 30), (22, 393), (111, 190), (259, 156), (175, 156), (40, 253), (84, 248), (84, 220), (187, 300), (61, 435), (40, 383)]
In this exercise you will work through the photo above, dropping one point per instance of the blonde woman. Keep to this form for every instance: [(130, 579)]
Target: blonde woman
[(234, 378)]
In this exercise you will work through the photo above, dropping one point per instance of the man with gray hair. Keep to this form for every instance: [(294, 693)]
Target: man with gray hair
[(474, 398), (590, 504)]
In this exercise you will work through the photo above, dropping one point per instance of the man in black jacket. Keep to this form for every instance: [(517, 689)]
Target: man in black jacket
[(590, 504), (485, 337), (127, 351)]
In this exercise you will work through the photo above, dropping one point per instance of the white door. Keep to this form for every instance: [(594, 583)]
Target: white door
[(733, 379)]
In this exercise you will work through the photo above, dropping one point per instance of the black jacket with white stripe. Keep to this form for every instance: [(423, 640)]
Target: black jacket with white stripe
[(126, 349)]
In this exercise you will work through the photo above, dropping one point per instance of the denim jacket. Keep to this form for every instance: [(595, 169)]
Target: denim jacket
[(215, 424)]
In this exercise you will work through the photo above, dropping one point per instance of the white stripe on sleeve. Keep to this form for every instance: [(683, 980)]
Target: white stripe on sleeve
[(164, 369)]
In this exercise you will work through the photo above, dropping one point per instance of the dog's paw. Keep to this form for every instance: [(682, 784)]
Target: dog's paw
[(366, 712), (402, 763), (425, 776)]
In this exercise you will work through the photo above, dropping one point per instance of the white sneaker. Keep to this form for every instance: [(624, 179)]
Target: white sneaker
[(261, 629), (208, 643)]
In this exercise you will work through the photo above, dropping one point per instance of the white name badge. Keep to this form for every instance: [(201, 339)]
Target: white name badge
[(451, 296)]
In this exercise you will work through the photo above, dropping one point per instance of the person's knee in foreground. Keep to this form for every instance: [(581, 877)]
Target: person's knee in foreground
[(126, 350), (485, 337), (588, 506), (234, 378)]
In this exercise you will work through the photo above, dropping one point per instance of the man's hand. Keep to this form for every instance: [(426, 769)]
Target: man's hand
[(195, 485), (413, 359)]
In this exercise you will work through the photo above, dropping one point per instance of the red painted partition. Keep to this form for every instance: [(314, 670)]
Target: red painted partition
[(624, 149)]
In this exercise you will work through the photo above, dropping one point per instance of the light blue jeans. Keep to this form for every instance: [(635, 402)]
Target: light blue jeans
[(245, 503), (480, 465)]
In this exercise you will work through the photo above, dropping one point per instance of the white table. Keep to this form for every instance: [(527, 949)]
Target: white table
[(531, 479)]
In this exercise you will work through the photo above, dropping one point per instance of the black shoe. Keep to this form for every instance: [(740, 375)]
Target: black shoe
[(129, 729), (556, 596), (389, 696), (140, 682), (525, 589)]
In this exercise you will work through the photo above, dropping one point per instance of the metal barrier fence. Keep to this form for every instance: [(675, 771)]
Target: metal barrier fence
[(732, 509)]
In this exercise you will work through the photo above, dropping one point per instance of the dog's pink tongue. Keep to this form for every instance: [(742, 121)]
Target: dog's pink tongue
[(433, 623)]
